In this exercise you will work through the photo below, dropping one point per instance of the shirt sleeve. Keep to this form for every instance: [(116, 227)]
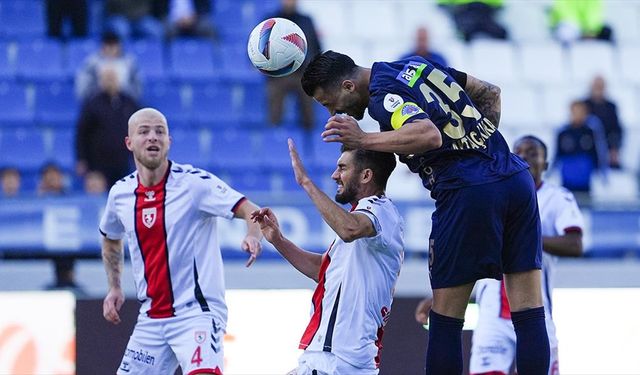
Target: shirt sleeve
[(215, 197), (568, 216), (110, 225), (374, 208)]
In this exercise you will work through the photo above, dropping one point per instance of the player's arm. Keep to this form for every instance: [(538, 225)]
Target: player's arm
[(304, 261), (413, 137), (567, 245), (348, 226), (486, 97), (113, 259), (251, 242)]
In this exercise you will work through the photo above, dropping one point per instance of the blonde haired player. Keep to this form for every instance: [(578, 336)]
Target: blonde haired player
[(168, 212)]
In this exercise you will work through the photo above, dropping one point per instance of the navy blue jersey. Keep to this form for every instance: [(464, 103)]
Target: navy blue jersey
[(473, 151)]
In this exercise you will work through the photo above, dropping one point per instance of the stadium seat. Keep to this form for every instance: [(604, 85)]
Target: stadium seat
[(618, 187), (589, 58), (527, 21), (236, 66), (494, 61), (380, 22), (22, 148), (274, 150), (77, 51), (629, 57), (624, 19), (167, 99), (22, 19), (245, 183), (192, 60), (56, 105), (150, 58), (212, 105), (554, 104), (543, 63), (16, 110), (188, 147), (62, 150), (40, 60), (235, 148), (519, 106), (253, 103), (324, 155), (235, 19), (7, 64)]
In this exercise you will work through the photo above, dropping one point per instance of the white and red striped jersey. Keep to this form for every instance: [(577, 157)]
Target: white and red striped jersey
[(352, 301), (170, 229), (559, 214)]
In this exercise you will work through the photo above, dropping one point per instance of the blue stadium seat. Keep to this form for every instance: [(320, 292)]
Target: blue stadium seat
[(7, 67), (22, 148), (236, 65), (40, 59), (15, 108), (240, 180), (166, 98), (253, 108), (56, 105), (22, 18), (192, 60), (77, 51), (235, 148), (212, 105), (62, 151), (324, 155), (187, 148), (150, 58), (274, 149)]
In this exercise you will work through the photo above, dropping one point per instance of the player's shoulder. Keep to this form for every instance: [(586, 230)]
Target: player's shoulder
[(557, 192), (126, 184), (378, 205), (189, 174)]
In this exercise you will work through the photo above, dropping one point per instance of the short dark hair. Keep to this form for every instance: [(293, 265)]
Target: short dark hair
[(534, 139), (110, 37), (326, 69), (381, 163)]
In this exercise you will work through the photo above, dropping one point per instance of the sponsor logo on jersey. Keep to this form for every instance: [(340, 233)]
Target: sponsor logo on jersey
[(410, 73), (150, 196), (392, 102), (141, 356), (200, 336), (149, 216)]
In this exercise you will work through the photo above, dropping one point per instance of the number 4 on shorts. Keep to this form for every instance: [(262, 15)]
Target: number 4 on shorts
[(196, 357)]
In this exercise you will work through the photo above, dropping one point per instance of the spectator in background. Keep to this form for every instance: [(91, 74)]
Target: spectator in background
[(572, 20), (423, 49), (132, 18), (101, 128), (279, 88), (59, 10), (474, 18), (51, 181), (600, 106), (95, 183), (10, 181), (87, 80), (187, 18), (580, 149)]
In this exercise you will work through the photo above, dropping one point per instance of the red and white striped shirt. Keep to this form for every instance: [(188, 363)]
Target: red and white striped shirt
[(171, 232)]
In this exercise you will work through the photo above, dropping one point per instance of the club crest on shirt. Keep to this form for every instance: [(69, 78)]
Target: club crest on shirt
[(150, 196), (200, 336), (149, 216)]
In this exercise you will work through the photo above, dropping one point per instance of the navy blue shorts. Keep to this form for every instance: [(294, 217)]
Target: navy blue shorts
[(483, 231)]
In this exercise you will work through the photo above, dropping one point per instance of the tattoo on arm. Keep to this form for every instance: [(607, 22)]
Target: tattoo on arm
[(113, 263), (486, 98)]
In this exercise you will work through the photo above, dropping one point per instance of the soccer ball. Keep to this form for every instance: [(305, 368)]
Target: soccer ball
[(277, 47)]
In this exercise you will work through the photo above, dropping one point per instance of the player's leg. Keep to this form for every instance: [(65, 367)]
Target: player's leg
[(464, 247), (147, 351), (197, 343), (522, 261)]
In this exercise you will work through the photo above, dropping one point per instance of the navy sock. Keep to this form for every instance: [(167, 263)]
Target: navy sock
[(532, 342), (444, 353)]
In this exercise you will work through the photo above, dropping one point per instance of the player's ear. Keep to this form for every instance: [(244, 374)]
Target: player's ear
[(127, 142), (348, 85), (366, 175)]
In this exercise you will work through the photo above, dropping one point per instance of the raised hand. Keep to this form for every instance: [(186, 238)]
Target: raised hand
[(268, 223), (296, 163)]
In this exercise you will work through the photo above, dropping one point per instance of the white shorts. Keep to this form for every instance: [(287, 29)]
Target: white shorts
[(326, 363), (493, 350), (158, 346)]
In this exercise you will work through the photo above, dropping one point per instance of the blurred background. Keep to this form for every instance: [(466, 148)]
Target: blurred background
[(73, 71)]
